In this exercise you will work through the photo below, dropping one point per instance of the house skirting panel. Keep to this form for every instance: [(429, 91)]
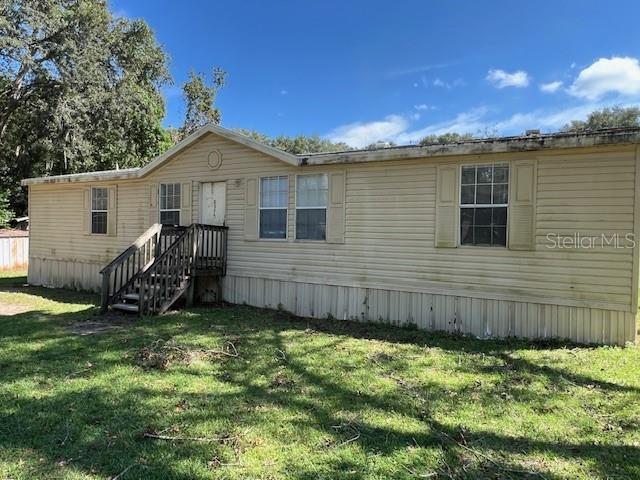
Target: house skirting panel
[(479, 317), (73, 274)]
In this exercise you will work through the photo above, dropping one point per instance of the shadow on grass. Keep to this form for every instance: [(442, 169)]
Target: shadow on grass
[(92, 418)]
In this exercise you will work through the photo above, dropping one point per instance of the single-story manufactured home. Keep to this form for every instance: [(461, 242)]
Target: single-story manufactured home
[(531, 236)]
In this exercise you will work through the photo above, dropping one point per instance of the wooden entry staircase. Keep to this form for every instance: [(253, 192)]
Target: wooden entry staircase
[(161, 266)]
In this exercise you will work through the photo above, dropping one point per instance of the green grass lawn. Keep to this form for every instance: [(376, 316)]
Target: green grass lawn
[(303, 398)]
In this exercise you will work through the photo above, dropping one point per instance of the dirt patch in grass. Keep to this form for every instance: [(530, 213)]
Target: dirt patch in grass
[(161, 354), (91, 328), (10, 309)]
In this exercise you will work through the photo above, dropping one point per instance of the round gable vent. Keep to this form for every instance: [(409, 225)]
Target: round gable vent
[(215, 160)]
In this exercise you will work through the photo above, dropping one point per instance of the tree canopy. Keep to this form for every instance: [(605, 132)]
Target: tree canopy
[(609, 117), (79, 91), (6, 214), (299, 144), (200, 100), (449, 137)]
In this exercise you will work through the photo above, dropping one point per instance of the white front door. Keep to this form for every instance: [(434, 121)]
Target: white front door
[(213, 208)]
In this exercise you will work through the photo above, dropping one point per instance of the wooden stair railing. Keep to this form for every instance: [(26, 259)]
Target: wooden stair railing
[(135, 258), (130, 283)]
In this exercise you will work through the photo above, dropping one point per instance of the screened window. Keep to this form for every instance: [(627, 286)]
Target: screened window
[(170, 204), (311, 207), (484, 200), (99, 206), (274, 199)]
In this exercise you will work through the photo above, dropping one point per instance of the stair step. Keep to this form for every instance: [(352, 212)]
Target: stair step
[(134, 297), (127, 307)]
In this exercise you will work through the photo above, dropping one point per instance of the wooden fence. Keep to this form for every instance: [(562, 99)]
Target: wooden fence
[(14, 252)]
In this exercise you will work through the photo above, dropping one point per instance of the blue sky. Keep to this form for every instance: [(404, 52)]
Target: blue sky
[(363, 71)]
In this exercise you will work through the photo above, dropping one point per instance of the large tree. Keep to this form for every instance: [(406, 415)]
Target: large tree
[(79, 90), (609, 117), (299, 144)]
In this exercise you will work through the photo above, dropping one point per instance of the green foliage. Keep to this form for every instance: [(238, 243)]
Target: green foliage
[(305, 399), (609, 117), (6, 214), (299, 144), (79, 91), (379, 145), (200, 100), (449, 137)]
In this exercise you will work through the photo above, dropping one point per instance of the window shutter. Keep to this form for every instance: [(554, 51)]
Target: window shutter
[(185, 204), (522, 205), (112, 211), (251, 210), (335, 208), (153, 204), (446, 206), (86, 211)]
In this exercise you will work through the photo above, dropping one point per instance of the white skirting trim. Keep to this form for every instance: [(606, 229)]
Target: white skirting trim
[(75, 275), (482, 318)]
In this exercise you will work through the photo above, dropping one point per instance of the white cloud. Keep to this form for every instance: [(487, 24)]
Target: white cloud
[(424, 106), (551, 87), (465, 122), (544, 119), (283, 92), (361, 134), (619, 75), (438, 82), (402, 129), (502, 79)]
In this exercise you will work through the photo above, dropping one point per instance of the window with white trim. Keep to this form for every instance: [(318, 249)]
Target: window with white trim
[(274, 204), (99, 207), (484, 202), (311, 206), (170, 203)]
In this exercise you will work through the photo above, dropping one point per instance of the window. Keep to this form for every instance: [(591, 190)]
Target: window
[(311, 207), (170, 203), (274, 199), (484, 199), (99, 206)]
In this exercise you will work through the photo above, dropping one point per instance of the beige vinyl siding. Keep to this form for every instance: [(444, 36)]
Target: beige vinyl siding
[(390, 216)]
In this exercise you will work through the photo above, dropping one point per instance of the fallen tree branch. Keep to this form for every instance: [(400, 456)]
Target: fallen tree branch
[(169, 438)]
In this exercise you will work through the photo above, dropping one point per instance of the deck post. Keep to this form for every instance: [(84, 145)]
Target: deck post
[(104, 293)]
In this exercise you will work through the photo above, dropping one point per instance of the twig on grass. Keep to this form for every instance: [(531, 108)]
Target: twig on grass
[(350, 426), (123, 473), (419, 475), (157, 436), (87, 368)]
